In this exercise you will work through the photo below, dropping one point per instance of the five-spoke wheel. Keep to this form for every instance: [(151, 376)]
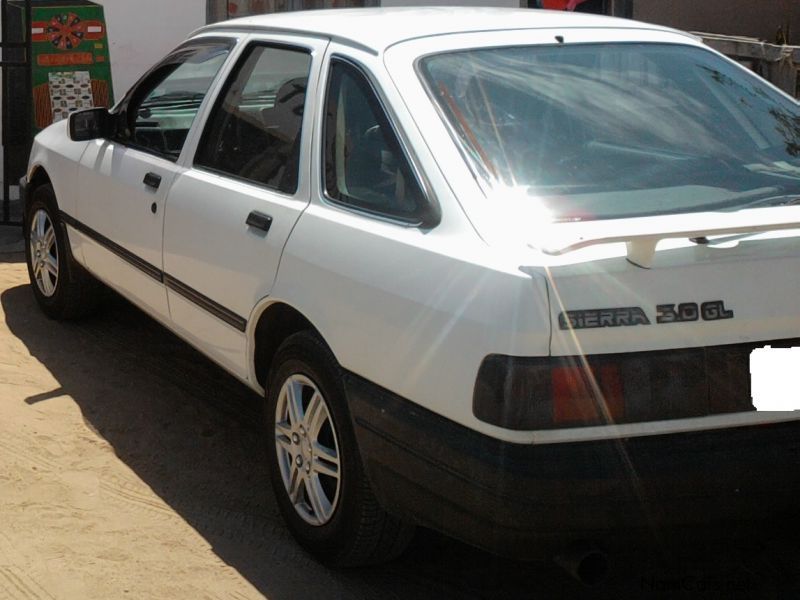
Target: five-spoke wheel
[(62, 287), (317, 475), (307, 450), (44, 252)]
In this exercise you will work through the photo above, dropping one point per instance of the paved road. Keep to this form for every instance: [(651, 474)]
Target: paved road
[(130, 467)]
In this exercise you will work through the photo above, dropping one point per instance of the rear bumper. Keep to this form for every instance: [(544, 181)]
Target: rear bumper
[(518, 499)]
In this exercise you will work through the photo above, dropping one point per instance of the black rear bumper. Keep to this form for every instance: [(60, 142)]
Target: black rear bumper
[(517, 499)]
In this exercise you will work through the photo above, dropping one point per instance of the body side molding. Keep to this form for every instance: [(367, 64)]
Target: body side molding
[(204, 302)]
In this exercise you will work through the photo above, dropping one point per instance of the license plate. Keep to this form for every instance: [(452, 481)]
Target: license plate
[(775, 378)]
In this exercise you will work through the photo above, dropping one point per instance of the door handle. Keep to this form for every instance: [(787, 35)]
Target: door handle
[(259, 221), (152, 180)]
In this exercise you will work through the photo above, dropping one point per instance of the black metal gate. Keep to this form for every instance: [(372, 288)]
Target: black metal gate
[(15, 43)]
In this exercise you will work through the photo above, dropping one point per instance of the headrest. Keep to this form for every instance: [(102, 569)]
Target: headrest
[(283, 119)]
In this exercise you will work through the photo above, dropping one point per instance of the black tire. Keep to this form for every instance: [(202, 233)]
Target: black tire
[(358, 531), (74, 293)]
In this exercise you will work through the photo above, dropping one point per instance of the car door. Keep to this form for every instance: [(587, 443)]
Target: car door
[(228, 218), (123, 181)]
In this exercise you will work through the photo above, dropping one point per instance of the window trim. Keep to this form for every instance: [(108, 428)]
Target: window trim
[(120, 111), (430, 212), (241, 60)]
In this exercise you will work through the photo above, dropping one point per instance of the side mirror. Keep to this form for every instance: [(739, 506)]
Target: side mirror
[(90, 124)]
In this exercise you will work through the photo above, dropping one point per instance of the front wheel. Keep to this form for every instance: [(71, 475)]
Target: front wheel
[(62, 288), (316, 470)]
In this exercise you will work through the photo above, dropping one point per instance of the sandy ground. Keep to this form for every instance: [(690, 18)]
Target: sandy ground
[(130, 467)]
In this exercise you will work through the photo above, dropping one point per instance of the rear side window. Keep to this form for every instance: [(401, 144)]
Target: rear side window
[(254, 132), (365, 166)]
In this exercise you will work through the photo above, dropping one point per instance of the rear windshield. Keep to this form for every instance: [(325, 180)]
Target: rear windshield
[(599, 131)]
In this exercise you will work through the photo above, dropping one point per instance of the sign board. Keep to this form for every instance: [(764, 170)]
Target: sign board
[(70, 60)]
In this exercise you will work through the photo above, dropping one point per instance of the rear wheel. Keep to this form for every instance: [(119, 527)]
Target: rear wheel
[(316, 470), (62, 288)]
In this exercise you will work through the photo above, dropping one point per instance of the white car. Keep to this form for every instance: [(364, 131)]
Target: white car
[(496, 272)]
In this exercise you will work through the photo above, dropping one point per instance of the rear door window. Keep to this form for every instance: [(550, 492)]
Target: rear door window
[(254, 132)]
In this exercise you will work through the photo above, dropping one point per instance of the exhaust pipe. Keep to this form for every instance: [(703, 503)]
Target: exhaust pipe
[(583, 562)]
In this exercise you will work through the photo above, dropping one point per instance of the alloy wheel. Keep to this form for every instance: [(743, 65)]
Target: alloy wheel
[(307, 450), (44, 253)]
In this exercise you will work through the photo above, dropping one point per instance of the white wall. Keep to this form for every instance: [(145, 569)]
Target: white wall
[(143, 31), (502, 3)]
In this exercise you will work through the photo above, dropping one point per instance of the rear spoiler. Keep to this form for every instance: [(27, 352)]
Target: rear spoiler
[(642, 235)]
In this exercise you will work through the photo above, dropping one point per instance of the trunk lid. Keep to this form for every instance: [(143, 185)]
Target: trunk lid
[(642, 284)]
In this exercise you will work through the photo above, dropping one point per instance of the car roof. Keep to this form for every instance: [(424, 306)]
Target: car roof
[(375, 29)]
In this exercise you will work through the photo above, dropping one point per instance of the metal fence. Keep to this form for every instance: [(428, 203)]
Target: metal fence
[(776, 63), (15, 44)]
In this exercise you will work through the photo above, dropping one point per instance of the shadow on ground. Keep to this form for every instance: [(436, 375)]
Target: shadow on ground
[(12, 246), (191, 432)]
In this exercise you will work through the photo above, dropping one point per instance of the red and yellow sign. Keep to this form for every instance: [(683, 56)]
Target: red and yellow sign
[(67, 31), (71, 69), (64, 60)]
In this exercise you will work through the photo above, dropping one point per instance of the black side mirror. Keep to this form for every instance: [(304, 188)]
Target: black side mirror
[(90, 124)]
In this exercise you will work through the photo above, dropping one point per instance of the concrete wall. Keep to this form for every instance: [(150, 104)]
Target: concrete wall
[(754, 18), (504, 3), (222, 9), (142, 31)]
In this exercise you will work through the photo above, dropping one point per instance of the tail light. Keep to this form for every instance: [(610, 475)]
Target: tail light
[(583, 395), (545, 393)]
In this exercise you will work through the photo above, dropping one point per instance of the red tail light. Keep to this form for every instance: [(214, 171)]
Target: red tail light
[(572, 391), (583, 395)]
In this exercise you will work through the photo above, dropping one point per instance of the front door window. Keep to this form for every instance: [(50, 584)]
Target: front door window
[(158, 113)]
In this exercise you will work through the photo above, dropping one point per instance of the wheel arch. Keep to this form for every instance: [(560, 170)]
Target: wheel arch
[(37, 177), (274, 322)]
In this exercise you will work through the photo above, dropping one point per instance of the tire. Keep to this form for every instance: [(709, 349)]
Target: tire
[(332, 511), (62, 288)]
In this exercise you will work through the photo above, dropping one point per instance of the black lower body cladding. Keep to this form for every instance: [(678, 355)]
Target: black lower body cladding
[(517, 500)]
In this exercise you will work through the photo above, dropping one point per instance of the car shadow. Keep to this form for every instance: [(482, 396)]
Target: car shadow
[(191, 432), (12, 257)]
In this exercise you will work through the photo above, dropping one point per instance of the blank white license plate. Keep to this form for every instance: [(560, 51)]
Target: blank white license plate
[(775, 378)]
